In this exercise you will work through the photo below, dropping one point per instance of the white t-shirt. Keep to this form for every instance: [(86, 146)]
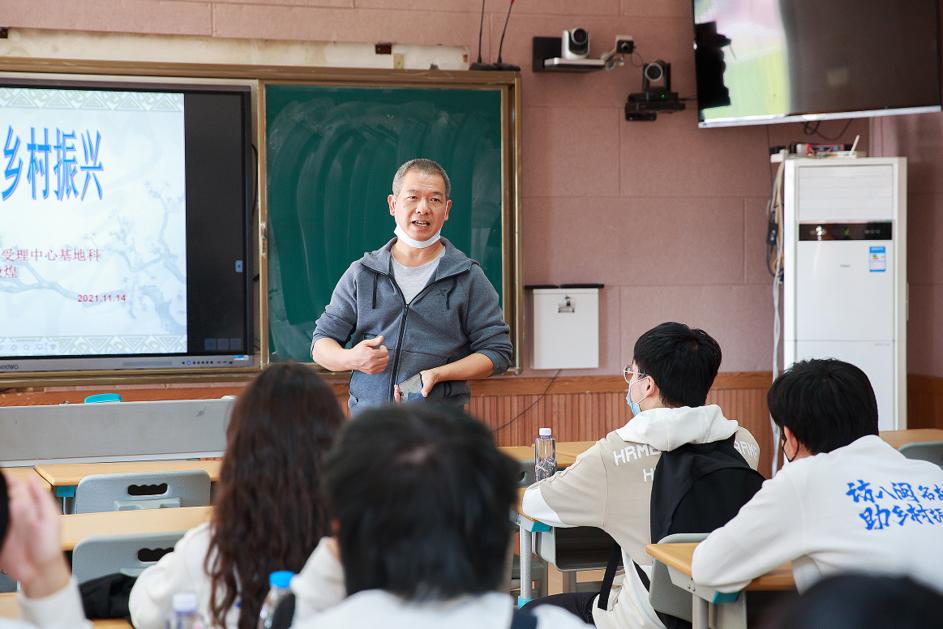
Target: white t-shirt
[(412, 279), (320, 603), (863, 507), (60, 610), (182, 570)]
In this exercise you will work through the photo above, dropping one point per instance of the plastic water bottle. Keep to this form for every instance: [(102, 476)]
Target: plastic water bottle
[(545, 455), (278, 583), (185, 614)]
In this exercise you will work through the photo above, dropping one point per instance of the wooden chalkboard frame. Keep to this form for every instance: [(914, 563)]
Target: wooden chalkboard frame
[(508, 85)]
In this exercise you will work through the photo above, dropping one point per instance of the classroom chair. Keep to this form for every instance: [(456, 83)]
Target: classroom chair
[(665, 596), (931, 451), (147, 490), (526, 476), (124, 554), (574, 549)]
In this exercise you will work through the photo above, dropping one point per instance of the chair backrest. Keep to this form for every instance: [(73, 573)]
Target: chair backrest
[(126, 554), (665, 596), (931, 451), (147, 490), (526, 476)]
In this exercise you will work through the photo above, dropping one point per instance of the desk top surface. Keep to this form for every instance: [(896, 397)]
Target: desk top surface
[(79, 526), (897, 438), (68, 474), (679, 556), (567, 451), (9, 609), (25, 473)]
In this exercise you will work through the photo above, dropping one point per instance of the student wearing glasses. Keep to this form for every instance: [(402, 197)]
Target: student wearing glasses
[(609, 486)]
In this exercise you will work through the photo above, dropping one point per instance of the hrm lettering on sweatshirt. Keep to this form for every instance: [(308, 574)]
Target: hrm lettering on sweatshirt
[(633, 453)]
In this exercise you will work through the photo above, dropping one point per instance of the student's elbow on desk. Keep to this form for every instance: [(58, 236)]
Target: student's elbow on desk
[(711, 567), (534, 506)]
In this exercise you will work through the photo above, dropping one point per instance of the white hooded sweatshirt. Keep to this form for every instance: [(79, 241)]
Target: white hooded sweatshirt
[(609, 487)]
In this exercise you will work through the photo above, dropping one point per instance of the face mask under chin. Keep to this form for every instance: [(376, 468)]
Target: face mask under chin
[(417, 244)]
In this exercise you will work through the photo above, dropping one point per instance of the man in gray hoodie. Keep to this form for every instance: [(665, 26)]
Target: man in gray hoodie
[(416, 306)]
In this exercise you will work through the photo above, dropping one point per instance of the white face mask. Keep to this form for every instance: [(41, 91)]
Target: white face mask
[(417, 244)]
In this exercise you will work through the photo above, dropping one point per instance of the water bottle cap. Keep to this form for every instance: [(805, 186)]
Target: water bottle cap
[(184, 602), (544, 432), (280, 578)]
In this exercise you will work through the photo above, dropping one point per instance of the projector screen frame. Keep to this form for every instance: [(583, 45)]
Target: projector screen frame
[(11, 376)]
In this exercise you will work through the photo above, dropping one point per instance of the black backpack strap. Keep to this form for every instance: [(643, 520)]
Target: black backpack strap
[(523, 619), (615, 560)]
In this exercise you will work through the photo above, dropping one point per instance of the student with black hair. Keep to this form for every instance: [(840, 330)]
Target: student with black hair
[(846, 500), (421, 500), (31, 554), (610, 485), (856, 601)]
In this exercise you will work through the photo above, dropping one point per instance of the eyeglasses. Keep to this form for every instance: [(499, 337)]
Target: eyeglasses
[(628, 372)]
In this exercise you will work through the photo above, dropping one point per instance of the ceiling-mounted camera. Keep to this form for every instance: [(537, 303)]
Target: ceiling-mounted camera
[(656, 95), (574, 44)]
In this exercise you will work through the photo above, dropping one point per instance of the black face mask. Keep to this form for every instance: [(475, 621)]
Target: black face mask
[(782, 446)]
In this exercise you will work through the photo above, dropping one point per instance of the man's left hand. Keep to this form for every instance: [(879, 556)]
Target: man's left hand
[(429, 378)]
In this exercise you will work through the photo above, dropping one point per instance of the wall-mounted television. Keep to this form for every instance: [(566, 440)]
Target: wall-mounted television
[(762, 61), (125, 241)]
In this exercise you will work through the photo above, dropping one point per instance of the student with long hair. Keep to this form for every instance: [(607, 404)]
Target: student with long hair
[(268, 513)]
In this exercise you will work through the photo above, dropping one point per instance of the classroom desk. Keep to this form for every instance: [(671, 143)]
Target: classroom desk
[(80, 526), (63, 477), (26, 473), (730, 608), (567, 451), (897, 438), (10, 610)]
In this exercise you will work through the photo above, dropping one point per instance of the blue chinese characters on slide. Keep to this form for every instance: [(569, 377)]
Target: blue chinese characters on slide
[(92, 203)]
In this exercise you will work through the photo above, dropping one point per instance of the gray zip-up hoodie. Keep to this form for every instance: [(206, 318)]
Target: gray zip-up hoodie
[(455, 315)]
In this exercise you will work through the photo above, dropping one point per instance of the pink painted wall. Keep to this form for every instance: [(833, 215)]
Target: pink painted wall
[(671, 218), (920, 140)]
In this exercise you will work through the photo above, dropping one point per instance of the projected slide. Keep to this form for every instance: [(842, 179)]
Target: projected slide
[(92, 209)]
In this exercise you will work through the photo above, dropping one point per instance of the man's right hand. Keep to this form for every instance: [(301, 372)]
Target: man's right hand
[(369, 355)]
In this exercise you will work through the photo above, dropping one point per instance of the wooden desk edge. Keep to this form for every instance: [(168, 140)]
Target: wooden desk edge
[(64, 474), (10, 609), (779, 578), (80, 526), (23, 473)]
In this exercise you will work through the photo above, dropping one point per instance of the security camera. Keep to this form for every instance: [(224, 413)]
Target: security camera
[(653, 72), (656, 76), (574, 44), (625, 44)]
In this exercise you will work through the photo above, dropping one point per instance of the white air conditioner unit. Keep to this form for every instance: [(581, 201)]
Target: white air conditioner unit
[(845, 271)]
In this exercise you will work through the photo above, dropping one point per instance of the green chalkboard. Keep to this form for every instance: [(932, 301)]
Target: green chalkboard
[(330, 156)]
